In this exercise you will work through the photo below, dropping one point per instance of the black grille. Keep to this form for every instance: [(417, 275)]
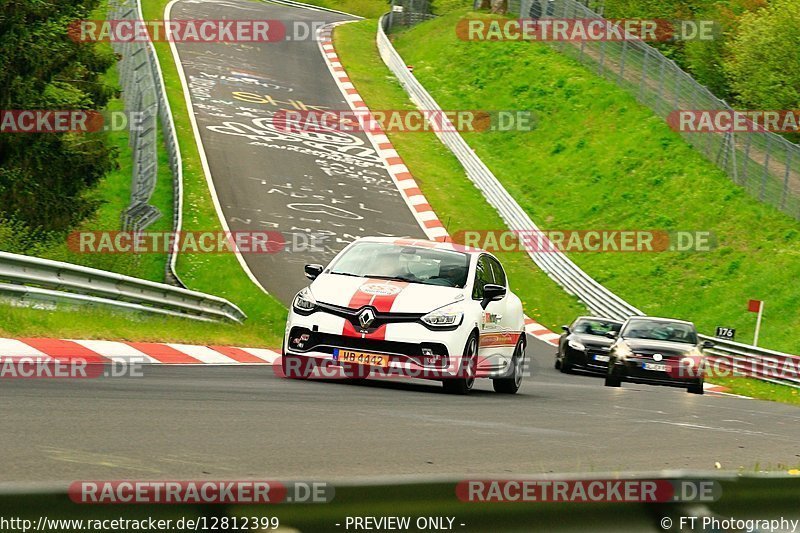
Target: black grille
[(326, 342), (351, 315)]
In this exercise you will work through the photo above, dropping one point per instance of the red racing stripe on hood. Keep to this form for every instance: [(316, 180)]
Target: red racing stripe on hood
[(379, 294)]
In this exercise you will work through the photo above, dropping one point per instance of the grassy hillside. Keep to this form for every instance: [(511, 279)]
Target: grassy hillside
[(599, 160)]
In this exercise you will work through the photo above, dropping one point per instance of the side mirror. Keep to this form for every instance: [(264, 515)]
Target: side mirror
[(707, 344), (565, 328), (491, 293), (312, 271), (612, 334)]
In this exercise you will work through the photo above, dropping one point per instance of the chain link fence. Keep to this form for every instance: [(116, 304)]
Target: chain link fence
[(406, 13), (141, 104), (143, 92), (765, 164)]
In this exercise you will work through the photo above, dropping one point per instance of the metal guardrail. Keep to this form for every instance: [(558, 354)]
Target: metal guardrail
[(28, 278), (556, 265), (143, 86)]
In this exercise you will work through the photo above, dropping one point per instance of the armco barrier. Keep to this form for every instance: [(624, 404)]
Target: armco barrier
[(557, 265), (34, 279)]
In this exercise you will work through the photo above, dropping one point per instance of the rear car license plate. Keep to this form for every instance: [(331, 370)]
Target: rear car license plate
[(601, 358), (656, 367), (360, 358)]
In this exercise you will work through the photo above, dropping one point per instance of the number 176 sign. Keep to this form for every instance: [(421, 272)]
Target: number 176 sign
[(725, 333)]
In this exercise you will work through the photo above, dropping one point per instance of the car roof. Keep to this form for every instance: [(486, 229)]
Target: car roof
[(662, 319), (603, 318), (424, 243)]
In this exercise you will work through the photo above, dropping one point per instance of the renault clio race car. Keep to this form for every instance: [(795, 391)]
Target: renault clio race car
[(412, 308)]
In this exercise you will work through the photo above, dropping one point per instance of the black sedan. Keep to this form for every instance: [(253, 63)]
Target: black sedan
[(585, 344), (661, 351)]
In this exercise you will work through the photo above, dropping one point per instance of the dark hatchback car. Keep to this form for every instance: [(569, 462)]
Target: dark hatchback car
[(661, 351), (585, 344)]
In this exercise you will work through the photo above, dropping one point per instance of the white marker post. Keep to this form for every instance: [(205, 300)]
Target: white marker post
[(756, 306)]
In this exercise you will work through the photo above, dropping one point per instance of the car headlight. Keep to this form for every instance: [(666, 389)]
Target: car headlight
[(444, 317), (693, 356), (576, 345), (304, 302), (622, 351)]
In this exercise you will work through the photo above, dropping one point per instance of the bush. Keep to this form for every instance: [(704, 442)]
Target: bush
[(44, 177)]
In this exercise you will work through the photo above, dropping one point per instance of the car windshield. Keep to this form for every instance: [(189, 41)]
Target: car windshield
[(407, 263), (591, 326), (661, 331)]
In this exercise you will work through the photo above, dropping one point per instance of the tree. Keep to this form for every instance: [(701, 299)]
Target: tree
[(764, 61), (44, 177)]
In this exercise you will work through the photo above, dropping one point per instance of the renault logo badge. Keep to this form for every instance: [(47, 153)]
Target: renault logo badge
[(366, 317)]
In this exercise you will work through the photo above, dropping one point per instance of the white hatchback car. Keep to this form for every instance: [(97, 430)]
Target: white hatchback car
[(409, 307)]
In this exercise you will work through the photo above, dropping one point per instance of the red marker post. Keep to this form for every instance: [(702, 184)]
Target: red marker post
[(756, 306)]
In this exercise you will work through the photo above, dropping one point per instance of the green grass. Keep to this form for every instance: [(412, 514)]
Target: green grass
[(442, 178), (762, 390), (362, 8), (599, 160)]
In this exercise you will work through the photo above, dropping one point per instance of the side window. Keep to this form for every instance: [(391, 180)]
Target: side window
[(497, 271), (483, 275)]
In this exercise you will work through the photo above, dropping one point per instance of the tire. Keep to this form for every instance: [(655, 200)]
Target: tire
[(460, 385), (565, 367), (558, 363), (612, 381), (511, 384), (695, 388), (297, 367)]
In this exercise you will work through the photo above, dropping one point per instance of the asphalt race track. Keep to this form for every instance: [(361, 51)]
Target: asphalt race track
[(268, 179), (227, 422)]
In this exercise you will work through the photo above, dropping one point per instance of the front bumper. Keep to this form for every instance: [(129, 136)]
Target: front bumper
[(586, 359), (412, 349), (632, 370)]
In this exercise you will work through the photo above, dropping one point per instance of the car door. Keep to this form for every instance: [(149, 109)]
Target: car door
[(508, 326), (492, 337)]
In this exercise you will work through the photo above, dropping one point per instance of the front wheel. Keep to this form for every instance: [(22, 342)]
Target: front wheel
[(695, 388), (459, 385), (612, 381), (511, 384)]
